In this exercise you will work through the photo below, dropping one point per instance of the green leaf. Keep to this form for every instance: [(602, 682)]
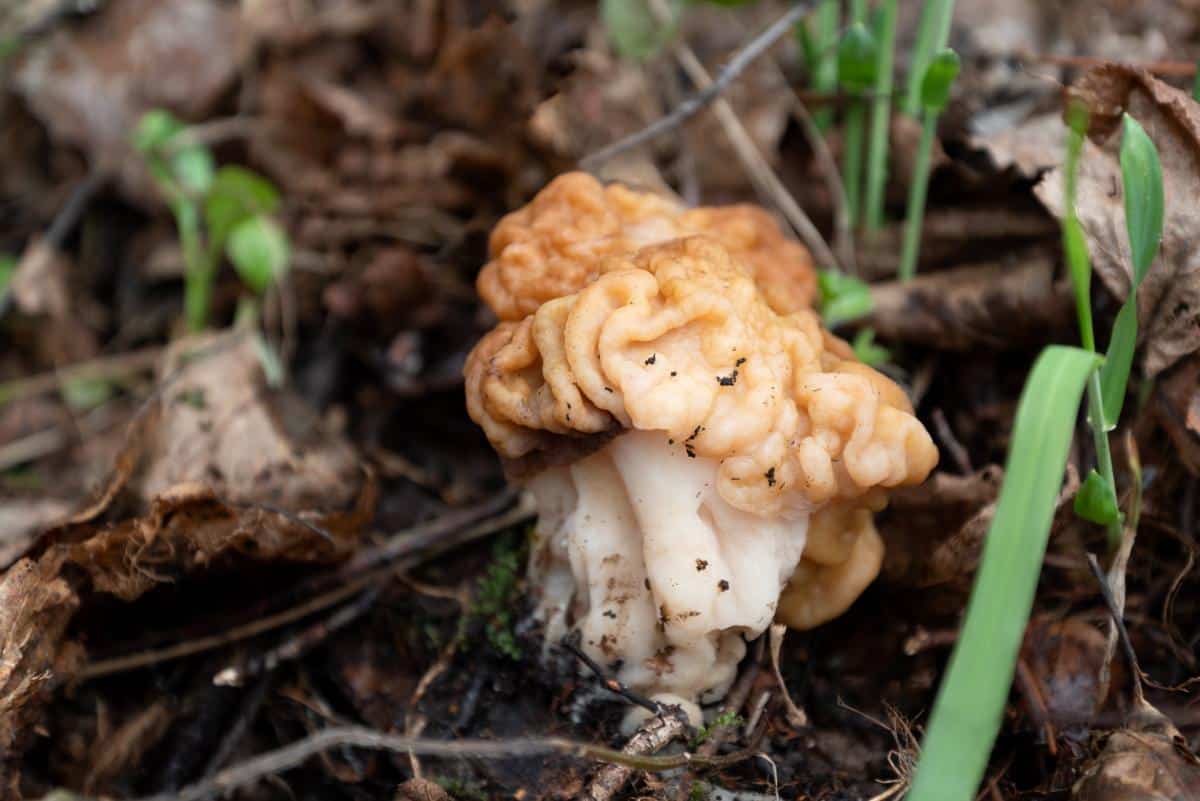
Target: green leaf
[(259, 250), (843, 298), (939, 77), (236, 195), (1114, 375), (192, 168), (1080, 267), (867, 351), (155, 128), (633, 29), (1097, 500), (1141, 175), (856, 59), (970, 704)]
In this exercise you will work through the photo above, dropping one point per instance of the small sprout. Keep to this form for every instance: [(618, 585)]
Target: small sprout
[(939, 77), (258, 249), (867, 351), (843, 298), (857, 54), (1096, 501)]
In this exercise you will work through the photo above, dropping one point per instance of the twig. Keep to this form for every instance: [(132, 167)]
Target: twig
[(301, 643), (1170, 69), (571, 643), (653, 735), (761, 174), (290, 756), (108, 367), (246, 715), (419, 543), (1118, 621), (708, 93), (945, 433)]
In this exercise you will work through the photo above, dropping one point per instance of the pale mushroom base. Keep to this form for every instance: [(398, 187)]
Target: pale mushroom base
[(663, 579)]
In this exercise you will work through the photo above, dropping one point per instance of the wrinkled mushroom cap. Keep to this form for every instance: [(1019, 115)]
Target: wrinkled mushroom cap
[(563, 239), (678, 338)]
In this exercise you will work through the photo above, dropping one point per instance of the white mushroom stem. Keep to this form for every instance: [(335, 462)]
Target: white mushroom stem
[(664, 580)]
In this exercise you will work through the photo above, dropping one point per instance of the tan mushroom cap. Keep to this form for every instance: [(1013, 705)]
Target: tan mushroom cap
[(561, 240), (678, 338)]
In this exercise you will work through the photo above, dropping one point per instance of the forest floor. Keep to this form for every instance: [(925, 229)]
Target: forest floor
[(201, 562)]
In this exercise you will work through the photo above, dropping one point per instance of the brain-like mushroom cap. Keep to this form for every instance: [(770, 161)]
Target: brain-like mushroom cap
[(678, 338), (563, 239)]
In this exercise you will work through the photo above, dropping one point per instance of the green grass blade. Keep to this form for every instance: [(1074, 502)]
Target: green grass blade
[(917, 189), (932, 35), (823, 40), (881, 116), (1141, 175), (1114, 375), (1080, 266), (970, 703)]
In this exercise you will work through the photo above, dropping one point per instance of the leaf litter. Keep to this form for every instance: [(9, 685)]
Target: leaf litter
[(397, 137)]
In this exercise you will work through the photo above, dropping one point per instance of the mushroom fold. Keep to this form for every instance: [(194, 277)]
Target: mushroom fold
[(705, 457)]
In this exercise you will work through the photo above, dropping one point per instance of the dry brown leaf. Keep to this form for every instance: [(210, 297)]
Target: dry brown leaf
[(1169, 297), (421, 790), (1147, 761), (35, 607), (1177, 407), (22, 519), (997, 305), (1066, 657), (89, 83)]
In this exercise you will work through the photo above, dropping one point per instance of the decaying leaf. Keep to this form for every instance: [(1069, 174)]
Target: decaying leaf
[(1169, 297), (35, 607), (89, 83), (1149, 760), (996, 305), (1177, 407), (1065, 658)]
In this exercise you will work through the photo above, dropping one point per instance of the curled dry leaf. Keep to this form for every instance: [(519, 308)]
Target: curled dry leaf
[(995, 305), (945, 503), (35, 607), (1177, 407), (218, 468), (89, 83), (1065, 657), (1169, 297), (1149, 760)]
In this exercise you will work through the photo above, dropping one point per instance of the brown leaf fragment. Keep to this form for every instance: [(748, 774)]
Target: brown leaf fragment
[(1169, 297), (1149, 760), (91, 82), (421, 790), (1066, 657), (35, 607), (997, 305), (1177, 408)]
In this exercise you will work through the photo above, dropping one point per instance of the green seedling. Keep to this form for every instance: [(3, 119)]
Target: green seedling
[(226, 211), (843, 298), (867, 350), (818, 42), (935, 94), (970, 703), (856, 75), (8, 268), (932, 35), (881, 115)]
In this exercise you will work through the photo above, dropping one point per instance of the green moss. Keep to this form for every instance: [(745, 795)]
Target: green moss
[(496, 596), (721, 721)]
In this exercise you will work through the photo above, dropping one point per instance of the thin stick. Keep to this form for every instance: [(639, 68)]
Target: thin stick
[(761, 174), (411, 543), (287, 757), (653, 735), (108, 367), (571, 643), (707, 94), (1115, 613)]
